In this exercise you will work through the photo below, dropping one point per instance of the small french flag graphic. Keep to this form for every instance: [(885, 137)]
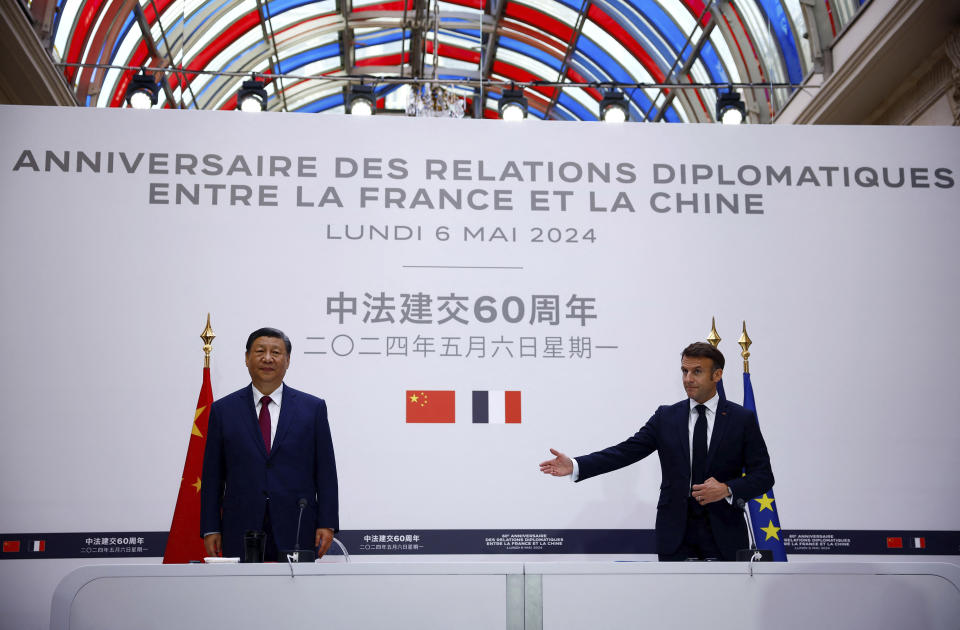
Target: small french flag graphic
[(496, 407), (39, 545), (919, 543)]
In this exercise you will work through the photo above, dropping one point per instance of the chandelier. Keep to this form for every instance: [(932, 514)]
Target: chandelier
[(434, 101)]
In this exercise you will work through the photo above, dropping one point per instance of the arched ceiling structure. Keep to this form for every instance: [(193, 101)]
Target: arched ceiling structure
[(304, 49)]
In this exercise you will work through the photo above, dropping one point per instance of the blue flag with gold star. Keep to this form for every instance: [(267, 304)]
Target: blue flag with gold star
[(763, 510)]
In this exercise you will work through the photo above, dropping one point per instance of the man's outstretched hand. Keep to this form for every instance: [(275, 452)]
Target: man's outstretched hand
[(559, 466)]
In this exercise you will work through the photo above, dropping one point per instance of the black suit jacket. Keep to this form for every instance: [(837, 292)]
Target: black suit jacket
[(240, 481), (736, 446)]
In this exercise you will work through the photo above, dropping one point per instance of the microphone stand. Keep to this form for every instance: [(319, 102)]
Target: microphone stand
[(294, 556), (752, 554)]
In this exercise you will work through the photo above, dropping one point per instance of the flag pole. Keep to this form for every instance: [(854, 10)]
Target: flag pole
[(745, 342), (713, 338), (208, 338)]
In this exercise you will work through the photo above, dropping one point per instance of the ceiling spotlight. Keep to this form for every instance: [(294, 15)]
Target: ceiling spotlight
[(362, 101), (143, 91), (513, 105), (252, 97), (730, 109), (614, 107)]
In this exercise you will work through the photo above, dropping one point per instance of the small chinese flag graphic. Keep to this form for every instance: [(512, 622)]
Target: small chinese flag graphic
[(11, 546), (437, 406), (894, 542), (184, 542)]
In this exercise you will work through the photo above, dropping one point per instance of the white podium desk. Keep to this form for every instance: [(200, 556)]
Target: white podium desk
[(513, 596)]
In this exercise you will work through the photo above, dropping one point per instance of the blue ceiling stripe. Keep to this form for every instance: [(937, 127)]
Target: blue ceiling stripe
[(123, 35), (323, 104), (378, 37), (603, 59), (276, 7), (710, 59), (561, 112), (530, 51), (664, 24), (290, 64), (780, 23), (572, 104), (653, 39)]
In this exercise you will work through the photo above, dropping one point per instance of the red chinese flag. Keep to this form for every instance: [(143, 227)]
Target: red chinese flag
[(894, 542), (184, 542), (11, 546), (431, 406)]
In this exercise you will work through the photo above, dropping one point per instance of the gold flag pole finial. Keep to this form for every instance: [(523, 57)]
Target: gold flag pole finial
[(207, 337), (713, 338), (745, 342)]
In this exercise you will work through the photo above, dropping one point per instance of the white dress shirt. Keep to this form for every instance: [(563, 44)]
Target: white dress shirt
[(273, 407)]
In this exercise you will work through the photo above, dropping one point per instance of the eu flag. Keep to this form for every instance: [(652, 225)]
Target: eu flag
[(763, 510)]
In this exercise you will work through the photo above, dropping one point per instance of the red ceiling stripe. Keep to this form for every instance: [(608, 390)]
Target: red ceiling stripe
[(519, 30), (610, 25), (575, 76), (215, 47), (386, 6), (454, 52), (549, 24), (102, 44), (385, 60), (473, 4), (520, 75), (81, 33)]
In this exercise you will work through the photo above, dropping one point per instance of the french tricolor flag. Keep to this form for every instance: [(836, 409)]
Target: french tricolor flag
[(919, 543), (496, 407)]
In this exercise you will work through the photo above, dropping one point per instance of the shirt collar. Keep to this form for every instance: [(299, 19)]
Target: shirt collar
[(276, 396), (711, 404)]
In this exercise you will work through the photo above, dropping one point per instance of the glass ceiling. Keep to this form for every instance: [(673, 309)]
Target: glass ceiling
[(314, 44)]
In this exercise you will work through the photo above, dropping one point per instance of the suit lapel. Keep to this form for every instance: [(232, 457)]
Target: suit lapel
[(719, 426), (683, 419), (288, 411), (252, 422)]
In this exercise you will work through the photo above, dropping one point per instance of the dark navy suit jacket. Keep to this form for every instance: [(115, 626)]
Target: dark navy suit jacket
[(736, 446), (240, 482)]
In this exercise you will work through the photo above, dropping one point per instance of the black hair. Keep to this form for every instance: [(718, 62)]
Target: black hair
[(269, 332), (704, 349)]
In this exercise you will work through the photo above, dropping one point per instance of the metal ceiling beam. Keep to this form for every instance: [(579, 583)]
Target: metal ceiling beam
[(694, 55), (418, 28), (488, 49), (470, 82), (266, 27), (489, 40), (155, 52), (571, 47), (347, 56)]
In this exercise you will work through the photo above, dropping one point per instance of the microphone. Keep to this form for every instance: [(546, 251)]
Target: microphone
[(298, 555), (752, 554), (302, 503)]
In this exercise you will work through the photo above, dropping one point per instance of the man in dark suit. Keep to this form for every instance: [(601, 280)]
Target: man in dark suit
[(268, 447), (711, 454)]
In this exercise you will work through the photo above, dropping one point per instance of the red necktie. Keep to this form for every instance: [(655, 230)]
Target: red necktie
[(265, 421)]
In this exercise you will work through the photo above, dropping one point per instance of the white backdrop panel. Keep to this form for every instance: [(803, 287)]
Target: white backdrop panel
[(849, 292)]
